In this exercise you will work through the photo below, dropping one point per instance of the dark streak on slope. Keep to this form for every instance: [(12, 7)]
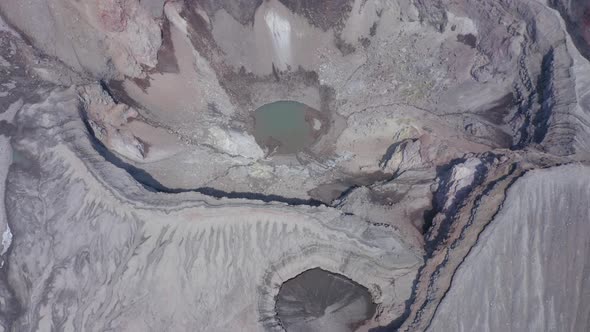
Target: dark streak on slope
[(151, 184), (432, 241), (108, 91), (489, 188), (545, 98), (470, 217), (442, 195), (535, 109)]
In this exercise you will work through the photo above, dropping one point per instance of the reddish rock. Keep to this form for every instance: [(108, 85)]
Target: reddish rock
[(112, 15)]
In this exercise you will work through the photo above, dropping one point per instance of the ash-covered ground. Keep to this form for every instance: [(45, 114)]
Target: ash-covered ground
[(431, 172)]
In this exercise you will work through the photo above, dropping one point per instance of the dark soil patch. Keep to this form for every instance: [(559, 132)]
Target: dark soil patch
[(468, 39)]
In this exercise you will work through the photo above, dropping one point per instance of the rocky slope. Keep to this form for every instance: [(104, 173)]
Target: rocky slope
[(96, 250), (451, 160), (529, 265)]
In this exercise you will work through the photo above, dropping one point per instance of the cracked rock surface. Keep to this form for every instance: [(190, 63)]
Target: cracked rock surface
[(443, 184)]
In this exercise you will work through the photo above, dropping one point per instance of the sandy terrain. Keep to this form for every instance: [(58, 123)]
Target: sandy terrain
[(445, 187)]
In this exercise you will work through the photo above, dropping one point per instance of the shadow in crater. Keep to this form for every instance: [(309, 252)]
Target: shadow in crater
[(318, 300)]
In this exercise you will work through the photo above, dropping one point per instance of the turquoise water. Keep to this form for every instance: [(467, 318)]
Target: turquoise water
[(282, 125)]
